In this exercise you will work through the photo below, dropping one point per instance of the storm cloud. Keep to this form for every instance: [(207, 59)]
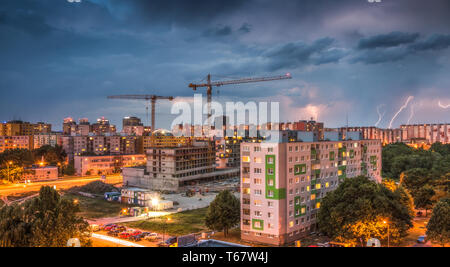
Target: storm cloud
[(62, 59)]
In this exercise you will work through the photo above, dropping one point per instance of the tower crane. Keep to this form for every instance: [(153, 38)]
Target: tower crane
[(149, 98), (209, 85)]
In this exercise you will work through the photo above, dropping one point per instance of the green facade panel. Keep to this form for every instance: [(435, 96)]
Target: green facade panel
[(299, 169), (261, 223), (271, 191)]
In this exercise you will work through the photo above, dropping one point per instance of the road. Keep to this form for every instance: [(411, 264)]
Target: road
[(117, 241), (63, 183)]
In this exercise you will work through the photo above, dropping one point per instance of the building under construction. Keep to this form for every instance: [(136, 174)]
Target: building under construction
[(174, 162)]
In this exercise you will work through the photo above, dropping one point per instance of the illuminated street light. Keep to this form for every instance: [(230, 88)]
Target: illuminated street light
[(155, 202)]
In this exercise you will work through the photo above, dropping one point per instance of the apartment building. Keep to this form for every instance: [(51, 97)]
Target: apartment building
[(102, 126), (16, 142), (41, 140), (17, 128), (283, 183), (102, 165), (102, 145), (410, 134), (429, 133)]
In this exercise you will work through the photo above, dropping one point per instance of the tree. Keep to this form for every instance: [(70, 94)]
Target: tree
[(223, 212), (45, 221), (438, 228), (356, 210), (405, 199), (415, 179), (69, 169), (423, 198)]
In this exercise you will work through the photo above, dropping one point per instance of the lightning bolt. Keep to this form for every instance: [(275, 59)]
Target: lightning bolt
[(400, 110), (442, 106), (412, 114), (380, 116)]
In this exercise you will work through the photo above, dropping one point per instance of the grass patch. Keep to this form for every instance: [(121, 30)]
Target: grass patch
[(93, 208), (182, 223)]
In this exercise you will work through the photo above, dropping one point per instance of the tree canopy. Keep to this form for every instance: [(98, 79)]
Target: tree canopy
[(44, 221), (418, 168), (15, 161), (438, 228), (360, 209), (223, 212)]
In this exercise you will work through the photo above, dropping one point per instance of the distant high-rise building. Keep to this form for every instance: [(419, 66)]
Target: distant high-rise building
[(17, 128), (102, 126), (133, 126)]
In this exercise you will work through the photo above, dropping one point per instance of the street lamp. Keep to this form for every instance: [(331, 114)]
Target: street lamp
[(385, 222)]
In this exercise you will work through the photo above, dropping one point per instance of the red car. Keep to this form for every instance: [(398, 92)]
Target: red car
[(135, 233), (125, 235), (110, 227)]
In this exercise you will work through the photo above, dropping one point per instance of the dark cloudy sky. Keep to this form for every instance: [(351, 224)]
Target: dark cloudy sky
[(61, 59)]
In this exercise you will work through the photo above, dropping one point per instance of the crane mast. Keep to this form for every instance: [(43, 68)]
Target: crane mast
[(150, 98), (209, 85)]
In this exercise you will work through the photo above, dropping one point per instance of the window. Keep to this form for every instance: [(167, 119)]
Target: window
[(270, 193), (270, 149), (270, 171), (258, 192), (257, 181), (257, 202), (245, 159), (270, 160), (257, 149)]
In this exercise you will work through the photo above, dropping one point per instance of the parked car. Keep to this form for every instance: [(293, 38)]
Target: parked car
[(113, 233), (170, 241), (422, 239), (152, 237), (125, 235), (135, 233), (136, 238), (110, 227), (120, 228)]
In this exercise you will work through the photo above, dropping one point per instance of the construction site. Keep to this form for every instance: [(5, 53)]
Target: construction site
[(180, 163)]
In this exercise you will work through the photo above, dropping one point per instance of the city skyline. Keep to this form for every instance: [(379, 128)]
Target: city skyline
[(350, 58)]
